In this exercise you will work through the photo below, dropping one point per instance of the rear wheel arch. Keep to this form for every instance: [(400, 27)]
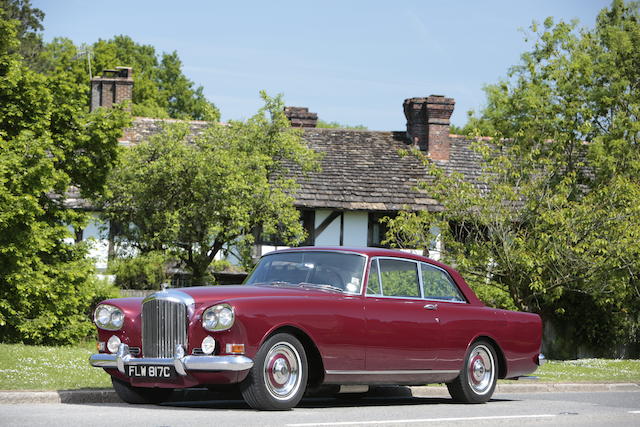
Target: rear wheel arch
[(502, 360)]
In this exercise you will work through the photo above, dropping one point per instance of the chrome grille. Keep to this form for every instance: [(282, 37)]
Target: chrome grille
[(164, 325)]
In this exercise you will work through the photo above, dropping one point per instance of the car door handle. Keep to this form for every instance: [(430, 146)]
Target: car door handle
[(431, 306)]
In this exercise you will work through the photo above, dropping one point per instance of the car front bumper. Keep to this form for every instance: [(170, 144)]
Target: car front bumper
[(181, 362)]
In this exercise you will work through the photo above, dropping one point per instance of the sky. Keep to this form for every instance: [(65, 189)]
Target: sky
[(352, 62)]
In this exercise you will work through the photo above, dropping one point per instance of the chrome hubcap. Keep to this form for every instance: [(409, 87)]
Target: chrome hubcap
[(481, 369), (282, 371)]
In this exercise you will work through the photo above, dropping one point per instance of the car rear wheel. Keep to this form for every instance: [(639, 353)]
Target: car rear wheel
[(477, 380), (278, 378), (138, 395)]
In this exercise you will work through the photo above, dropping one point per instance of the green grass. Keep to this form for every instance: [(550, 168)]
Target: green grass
[(590, 370), (24, 367)]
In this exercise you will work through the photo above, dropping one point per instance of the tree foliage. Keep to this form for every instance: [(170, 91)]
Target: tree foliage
[(554, 220), (161, 89), (29, 23), (336, 125), (141, 271), (195, 196), (47, 143)]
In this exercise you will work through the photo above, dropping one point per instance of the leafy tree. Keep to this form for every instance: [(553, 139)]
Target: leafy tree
[(27, 30), (46, 145), (194, 198), (476, 125), (144, 271), (555, 223), (161, 89), (336, 125)]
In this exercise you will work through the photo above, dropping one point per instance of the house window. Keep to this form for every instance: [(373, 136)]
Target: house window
[(307, 218), (377, 230)]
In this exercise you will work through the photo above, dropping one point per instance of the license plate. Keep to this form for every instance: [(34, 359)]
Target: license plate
[(150, 371)]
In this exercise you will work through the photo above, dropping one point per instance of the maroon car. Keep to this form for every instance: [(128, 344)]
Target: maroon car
[(310, 317)]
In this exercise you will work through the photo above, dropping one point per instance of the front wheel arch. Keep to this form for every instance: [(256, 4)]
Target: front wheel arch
[(314, 358), (278, 378)]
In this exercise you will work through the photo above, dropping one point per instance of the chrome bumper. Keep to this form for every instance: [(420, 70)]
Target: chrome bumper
[(180, 361), (541, 360)]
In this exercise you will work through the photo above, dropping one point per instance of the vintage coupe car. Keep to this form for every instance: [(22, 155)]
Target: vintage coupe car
[(310, 317)]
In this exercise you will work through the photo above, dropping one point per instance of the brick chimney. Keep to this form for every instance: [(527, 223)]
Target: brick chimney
[(113, 87), (428, 124), (300, 117)]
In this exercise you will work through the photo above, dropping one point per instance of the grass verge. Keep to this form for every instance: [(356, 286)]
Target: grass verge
[(25, 367), (590, 370)]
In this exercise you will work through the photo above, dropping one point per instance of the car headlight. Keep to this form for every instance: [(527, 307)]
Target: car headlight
[(218, 318), (108, 317)]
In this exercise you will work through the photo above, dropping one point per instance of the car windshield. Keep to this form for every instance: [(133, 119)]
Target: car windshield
[(337, 271)]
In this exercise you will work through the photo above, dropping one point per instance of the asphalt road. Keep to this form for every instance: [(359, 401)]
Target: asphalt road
[(392, 409)]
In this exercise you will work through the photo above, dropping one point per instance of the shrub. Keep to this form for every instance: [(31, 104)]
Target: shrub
[(143, 271)]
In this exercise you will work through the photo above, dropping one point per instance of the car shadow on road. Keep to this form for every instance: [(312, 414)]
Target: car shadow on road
[(232, 400), (391, 396)]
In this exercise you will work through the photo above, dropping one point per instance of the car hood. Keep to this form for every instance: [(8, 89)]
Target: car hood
[(212, 294)]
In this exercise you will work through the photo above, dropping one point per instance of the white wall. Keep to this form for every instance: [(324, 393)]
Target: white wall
[(331, 235), (356, 229), (97, 236)]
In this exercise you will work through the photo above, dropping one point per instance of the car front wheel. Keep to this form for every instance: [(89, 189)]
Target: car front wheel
[(278, 378), (477, 380)]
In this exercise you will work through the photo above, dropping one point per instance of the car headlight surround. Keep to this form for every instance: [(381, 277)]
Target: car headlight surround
[(108, 317), (219, 317)]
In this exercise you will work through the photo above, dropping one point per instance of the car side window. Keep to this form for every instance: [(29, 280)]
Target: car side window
[(438, 285), (373, 287), (399, 278)]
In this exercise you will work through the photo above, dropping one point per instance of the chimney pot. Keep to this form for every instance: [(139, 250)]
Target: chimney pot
[(113, 87), (300, 117), (428, 124)]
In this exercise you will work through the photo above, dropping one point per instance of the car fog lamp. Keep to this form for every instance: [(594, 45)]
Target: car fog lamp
[(208, 345), (113, 344), (218, 318)]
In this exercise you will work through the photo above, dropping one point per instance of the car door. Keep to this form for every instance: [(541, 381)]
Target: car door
[(456, 319), (402, 330)]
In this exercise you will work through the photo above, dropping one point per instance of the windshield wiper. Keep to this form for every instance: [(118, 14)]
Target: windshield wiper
[(321, 286), (279, 283)]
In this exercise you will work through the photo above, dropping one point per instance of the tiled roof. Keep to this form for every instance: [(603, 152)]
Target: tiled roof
[(360, 170), (364, 170)]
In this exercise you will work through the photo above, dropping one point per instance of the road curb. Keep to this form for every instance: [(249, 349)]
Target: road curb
[(537, 388), (109, 396)]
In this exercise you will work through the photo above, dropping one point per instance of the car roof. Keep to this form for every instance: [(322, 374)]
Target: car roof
[(472, 298), (369, 251)]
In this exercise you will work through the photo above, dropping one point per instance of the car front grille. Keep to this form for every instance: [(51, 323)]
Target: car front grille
[(164, 326)]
